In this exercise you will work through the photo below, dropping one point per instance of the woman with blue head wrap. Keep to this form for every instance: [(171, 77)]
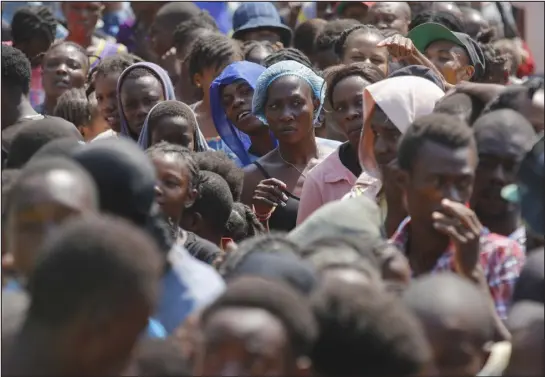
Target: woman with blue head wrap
[(288, 98), (231, 103)]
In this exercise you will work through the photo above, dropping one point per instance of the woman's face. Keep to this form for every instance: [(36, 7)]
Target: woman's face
[(362, 47), (138, 96), (236, 99), (386, 137), (82, 16), (347, 98), (64, 68), (173, 129), (106, 94), (289, 109), (173, 188), (451, 60)]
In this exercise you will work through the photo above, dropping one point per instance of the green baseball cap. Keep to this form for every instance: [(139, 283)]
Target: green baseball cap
[(425, 34)]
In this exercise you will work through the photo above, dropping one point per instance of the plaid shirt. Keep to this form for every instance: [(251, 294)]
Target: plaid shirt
[(501, 259)]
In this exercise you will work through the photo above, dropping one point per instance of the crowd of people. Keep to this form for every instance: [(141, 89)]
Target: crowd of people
[(359, 182)]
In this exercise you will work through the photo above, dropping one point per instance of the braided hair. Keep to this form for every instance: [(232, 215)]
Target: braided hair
[(494, 60), (288, 53), (33, 22), (306, 34), (340, 44), (183, 154), (212, 51), (367, 71), (243, 223), (331, 32), (74, 106)]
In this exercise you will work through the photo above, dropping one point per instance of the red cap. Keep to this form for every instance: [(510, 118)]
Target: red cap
[(342, 4)]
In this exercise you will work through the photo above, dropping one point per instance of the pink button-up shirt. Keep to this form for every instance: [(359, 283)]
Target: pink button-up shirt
[(328, 181)]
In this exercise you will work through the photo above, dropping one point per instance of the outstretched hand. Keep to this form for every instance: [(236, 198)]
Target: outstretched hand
[(399, 47)]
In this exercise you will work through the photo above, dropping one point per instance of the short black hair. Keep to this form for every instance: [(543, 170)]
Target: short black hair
[(494, 60), (438, 128), (331, 32), (138, 72), (529, 286), (74, 106), (160, 357), (214, 202), (114, 64), (44, 166), (514, 97), (365, 328), (182, 153), (505, 124), (64, 284), (33, 22), (242, 223), (340, 44), (34, 135), (172, 109), (63, 147), (275, 242), (16, 71), (184, 31), (221, 164), (306, 34), (349, 251), (461, 105), (367, 71), (447, 19), (177, 12), (288, 53), (276, 298), (212, 51)]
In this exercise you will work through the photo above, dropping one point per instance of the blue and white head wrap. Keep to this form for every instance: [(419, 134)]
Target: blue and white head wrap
[(286, 68)]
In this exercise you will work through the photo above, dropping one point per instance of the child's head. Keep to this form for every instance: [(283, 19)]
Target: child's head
[(209, 55), (177, 178), (173, 122), (81, 110), (210, 212)]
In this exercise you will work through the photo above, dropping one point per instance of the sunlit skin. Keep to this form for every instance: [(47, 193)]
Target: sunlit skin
[(452, 60), (173, 189), (138, 97), (173, 129), (362, 47), (63, 68), (50, 200), (236, 99), (243, 342), (347, 107), (106, 95), (393, 16)]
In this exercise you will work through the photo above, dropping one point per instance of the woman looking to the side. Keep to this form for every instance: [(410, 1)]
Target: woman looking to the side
[(288, 98)]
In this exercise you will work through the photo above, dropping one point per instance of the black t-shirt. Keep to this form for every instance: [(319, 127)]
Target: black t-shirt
[(201, 249)]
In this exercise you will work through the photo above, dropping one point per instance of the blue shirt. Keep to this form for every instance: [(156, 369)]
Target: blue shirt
[(188, 286)]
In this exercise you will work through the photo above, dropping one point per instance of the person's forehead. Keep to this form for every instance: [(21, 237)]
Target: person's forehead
[(436, 158), (387, 8), (245, 321), (289, 83)]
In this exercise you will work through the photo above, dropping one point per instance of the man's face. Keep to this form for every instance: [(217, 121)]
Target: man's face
[(438, 173), (452, 60), (499, 161), (389, 16)]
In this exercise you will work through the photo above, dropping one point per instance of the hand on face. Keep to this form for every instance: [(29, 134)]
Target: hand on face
[(463, 228)]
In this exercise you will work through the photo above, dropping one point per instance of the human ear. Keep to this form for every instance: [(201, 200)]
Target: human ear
[(197, 79), (191, 197)]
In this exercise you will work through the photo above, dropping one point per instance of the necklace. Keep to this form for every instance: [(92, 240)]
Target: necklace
[(292, 165)]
